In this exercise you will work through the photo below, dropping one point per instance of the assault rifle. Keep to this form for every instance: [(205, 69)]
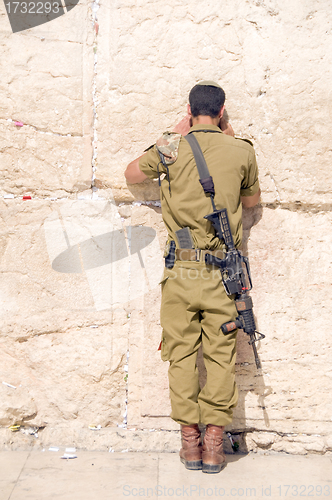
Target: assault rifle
[(235, 272)]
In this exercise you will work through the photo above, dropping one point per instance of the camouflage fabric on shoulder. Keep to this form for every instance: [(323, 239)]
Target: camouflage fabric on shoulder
[(168, 147)]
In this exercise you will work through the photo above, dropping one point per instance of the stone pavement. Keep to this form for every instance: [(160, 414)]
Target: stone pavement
[(43, 475)]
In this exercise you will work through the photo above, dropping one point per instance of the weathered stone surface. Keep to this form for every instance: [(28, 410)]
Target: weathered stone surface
[(16, 404), (72, 274), (47, 87), (110, 439), (150, 440), (41, 164), (51, 305), (57, 341), (69, 376), (79, 292), (148, 395), (270, 60), (292, 275)]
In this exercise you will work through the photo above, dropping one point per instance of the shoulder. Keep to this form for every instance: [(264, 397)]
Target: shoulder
[(245, 140), (168, 146), (240, 143)]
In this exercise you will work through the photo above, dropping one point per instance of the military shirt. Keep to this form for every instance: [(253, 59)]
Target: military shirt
[(232, 165)]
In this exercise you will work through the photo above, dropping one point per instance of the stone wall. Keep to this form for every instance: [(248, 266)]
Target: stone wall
[(81, 260)]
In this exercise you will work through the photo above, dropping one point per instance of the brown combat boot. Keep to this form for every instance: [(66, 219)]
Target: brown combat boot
[(191, 451), (212, 454)]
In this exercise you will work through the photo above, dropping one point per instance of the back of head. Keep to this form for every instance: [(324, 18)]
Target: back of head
[(206, 98)]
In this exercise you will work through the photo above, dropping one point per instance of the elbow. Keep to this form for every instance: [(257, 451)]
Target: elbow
[(127, 174), (251, 201), (133, 174), (130, 174)]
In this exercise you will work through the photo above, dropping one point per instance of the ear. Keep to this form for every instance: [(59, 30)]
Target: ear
[(221, 111), (189, 110)]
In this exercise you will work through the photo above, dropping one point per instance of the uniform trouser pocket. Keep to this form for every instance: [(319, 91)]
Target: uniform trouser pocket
[(164, 351)]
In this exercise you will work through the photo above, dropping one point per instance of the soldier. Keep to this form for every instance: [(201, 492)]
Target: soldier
[(194, 303)]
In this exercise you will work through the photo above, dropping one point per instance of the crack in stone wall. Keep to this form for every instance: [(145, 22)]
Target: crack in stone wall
[(95, 25)]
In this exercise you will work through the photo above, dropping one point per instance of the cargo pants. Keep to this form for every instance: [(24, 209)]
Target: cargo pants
[(193, 307)]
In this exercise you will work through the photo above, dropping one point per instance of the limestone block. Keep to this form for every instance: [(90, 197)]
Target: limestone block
[(148, 394), (270, 60), (71, 253), (47, 86), (315, 444), (73, 272), (263, 440), (35, 297), (112, 439), (16, 405), (42, 164), (301, 444), (64, 307), (72, 375), (329, 442), (291, 269)]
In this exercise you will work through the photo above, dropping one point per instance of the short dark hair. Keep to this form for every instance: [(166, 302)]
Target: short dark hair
[(206, 100)]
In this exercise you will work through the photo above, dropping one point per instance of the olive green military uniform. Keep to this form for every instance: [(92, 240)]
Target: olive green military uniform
[(194, 302)]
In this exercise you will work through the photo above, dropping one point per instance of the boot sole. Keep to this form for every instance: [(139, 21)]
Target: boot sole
[(213, 469), (194, 465)]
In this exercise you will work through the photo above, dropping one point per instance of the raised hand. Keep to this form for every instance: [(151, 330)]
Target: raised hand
[(183, 126)]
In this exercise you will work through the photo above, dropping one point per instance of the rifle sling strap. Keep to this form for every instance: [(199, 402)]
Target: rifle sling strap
[(204, 175)]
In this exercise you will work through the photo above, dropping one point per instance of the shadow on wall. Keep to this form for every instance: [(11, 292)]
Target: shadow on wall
[(147, 190), (248, 378), (119, 261), (103, 249)]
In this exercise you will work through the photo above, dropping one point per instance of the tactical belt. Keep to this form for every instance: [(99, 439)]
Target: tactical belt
[(197, 254)]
